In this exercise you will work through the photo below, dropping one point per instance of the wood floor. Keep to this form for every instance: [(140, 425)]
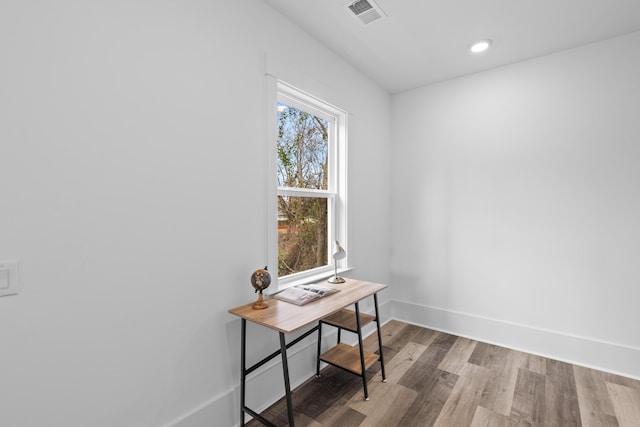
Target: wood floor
[(437, 379)]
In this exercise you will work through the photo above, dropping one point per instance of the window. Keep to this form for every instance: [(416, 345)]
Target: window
[(309, 185)]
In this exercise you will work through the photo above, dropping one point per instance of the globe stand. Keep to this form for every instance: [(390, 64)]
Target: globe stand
[(261, 303)]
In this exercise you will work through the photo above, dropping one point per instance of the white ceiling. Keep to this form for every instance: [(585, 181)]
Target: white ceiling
[(426, 41)]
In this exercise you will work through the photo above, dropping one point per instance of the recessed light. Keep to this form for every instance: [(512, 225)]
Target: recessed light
[(480, 46)]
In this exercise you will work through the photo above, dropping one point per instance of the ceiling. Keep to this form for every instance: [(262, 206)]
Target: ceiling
[(421, 42)]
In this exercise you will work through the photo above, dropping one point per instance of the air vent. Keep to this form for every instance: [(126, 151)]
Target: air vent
[(366, 11)]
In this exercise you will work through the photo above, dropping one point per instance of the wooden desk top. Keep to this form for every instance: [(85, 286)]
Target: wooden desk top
[(287, 317)]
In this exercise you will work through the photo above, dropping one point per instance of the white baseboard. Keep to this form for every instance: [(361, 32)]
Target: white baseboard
[(604, 356), (224, 410)]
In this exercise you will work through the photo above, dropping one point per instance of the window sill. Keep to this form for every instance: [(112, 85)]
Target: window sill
[(308, 280)]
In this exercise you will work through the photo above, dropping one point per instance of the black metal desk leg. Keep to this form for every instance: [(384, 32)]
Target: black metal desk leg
[(319, 349), (375, 301), (364, 371), (287, 386), (243, 370)]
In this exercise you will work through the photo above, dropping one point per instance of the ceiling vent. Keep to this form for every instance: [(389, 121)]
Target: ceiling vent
[(366, 11)]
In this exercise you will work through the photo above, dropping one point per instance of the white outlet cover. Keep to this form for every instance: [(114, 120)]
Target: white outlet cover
[(9, 279)]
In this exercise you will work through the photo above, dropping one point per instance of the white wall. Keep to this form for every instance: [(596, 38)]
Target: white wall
[(516, 205), (132, 192)]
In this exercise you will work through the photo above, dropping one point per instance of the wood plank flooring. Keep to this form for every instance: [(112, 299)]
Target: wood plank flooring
[(438, 379)]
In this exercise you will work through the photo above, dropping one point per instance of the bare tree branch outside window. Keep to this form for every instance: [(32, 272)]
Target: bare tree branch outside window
[(302, 163)]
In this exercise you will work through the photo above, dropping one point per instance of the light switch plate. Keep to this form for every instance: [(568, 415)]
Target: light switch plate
[(9, 279)]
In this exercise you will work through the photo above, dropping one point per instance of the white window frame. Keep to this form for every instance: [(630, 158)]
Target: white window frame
[(336, 193)]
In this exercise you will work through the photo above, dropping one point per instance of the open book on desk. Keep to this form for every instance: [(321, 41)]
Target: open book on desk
[(303, 294)]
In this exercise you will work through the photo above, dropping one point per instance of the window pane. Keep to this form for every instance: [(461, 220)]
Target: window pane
[(302, 149), (302, 234)]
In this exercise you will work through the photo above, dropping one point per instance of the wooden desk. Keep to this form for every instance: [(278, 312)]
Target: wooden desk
[(286, 318)]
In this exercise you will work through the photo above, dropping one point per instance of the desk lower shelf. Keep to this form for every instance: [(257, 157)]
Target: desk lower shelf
[(346, 319), (347, 357)]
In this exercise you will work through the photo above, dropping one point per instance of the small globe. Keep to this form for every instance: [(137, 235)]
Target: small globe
[(261, 279)]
